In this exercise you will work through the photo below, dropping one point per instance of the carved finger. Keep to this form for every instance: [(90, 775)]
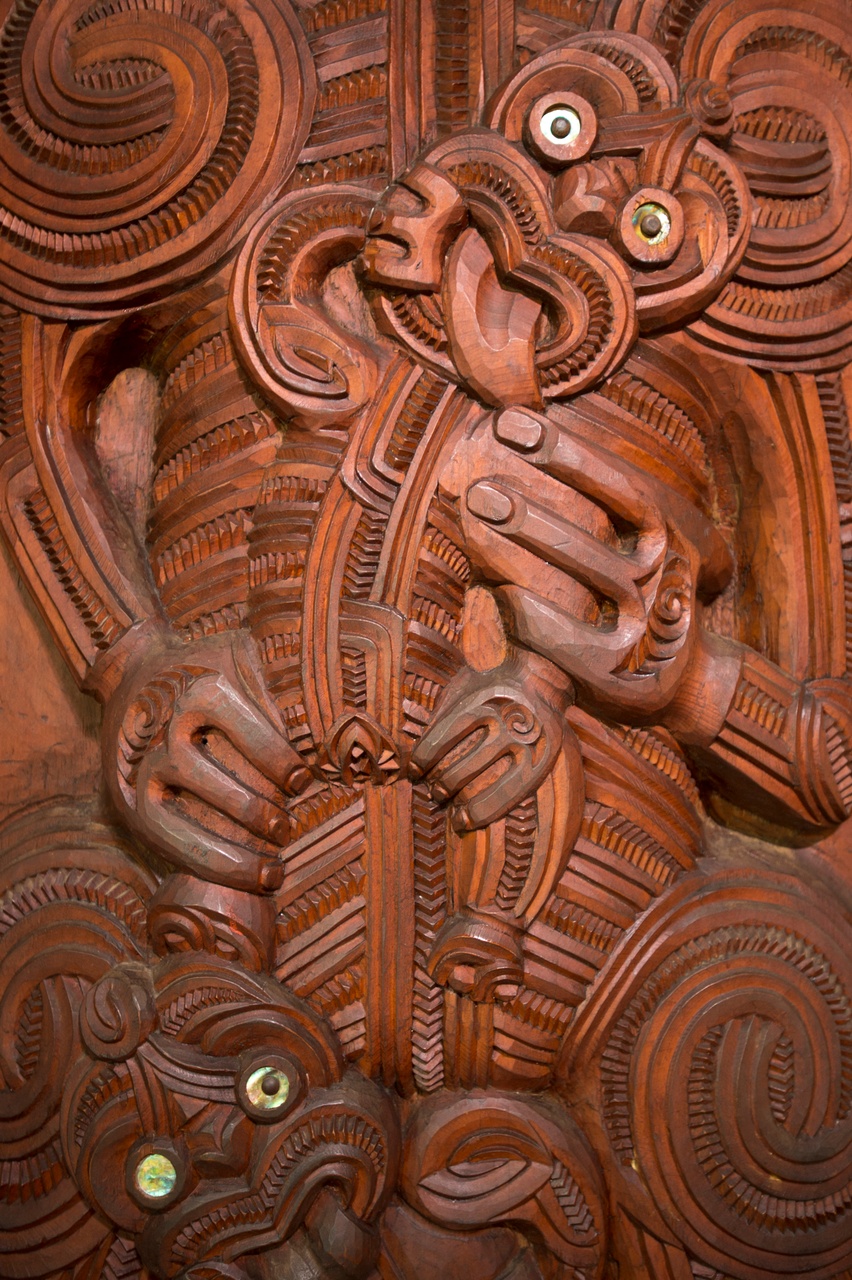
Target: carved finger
[(483, 804), (450, 730), (449, 777), (591, 472), (186, 766), (560, 543), (216, 703), (589, 654), (195, 848), (626, 494)]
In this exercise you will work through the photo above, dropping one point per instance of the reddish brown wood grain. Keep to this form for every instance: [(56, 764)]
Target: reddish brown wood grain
[(425, 438)]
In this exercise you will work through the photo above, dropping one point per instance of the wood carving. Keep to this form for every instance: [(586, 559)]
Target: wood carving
[(425, 431)]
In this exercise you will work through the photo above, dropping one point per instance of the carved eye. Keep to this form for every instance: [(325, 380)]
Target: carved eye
[(156, 1173), (561, 128), (650, 226), (155, 1176), (561, 125), (268, 1086), (652, 222)]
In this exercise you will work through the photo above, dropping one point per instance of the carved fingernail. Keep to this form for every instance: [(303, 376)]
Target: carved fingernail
[(439, 793), (489, 503), (272, 876), (520, 430), (297, 780), (461, 820)]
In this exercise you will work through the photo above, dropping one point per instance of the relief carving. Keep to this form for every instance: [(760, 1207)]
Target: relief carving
[(425, 432)]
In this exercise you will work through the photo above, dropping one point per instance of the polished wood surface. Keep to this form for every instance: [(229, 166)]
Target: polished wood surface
[(425, 724)]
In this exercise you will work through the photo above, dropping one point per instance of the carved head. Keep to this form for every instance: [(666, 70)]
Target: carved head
[(210, 1116)]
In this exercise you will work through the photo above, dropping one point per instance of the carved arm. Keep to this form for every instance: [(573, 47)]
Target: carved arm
[(195, 755), (617, 609)]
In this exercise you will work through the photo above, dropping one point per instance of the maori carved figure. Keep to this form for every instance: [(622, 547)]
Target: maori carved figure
[(425, 431)]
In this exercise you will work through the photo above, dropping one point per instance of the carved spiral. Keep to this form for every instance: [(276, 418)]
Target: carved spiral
[(134, 137), (787, 73), (734, 1054), (148, 715), (72, 905), (521, 721), (118, 1013)]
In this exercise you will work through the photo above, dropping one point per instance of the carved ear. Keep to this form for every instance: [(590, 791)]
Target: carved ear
[(318, 372)]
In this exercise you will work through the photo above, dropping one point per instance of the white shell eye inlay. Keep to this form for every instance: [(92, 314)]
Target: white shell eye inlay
[(561, 125)]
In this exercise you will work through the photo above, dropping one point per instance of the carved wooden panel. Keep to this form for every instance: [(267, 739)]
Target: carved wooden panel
[(425, 438)]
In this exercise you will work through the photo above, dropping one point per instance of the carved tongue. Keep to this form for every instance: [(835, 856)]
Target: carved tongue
[(491, 329)]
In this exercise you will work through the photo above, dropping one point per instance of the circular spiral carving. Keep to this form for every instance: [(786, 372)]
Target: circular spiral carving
[(118, 1014), (734, 1053), (133, 138), (521, 721), (711, 104), (787, 73)]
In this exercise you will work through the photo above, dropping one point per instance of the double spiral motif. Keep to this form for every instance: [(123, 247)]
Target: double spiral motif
[(733, 1049), (133, 139)]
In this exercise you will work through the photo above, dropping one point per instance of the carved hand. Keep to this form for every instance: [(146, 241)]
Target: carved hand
[(497, 736), (600, 570), (198, 762), (615, 608)]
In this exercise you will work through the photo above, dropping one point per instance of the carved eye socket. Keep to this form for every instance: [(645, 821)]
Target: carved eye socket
[(561, 128), (267, 1087), (561, 125), (650, 226), (155, 1176)]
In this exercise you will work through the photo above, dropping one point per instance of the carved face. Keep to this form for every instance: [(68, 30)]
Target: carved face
[(214, 1109)]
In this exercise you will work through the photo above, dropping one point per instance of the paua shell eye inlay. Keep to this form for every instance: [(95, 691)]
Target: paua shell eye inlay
[(652, 222), (268, 1088), (155, 1176)]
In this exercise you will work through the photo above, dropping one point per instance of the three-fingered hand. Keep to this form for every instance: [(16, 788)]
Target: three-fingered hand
[(496, 737), (199, 764), (599, 563)]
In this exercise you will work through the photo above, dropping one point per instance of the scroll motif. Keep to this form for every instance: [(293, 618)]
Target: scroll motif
[(134, 140)]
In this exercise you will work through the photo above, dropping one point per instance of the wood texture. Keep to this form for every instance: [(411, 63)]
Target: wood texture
[(425, 438)]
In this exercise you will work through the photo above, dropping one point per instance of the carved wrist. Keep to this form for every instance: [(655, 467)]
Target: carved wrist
[(783, 748)]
